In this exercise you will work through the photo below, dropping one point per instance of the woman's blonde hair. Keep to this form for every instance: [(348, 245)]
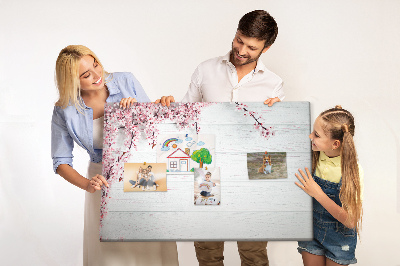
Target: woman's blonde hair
[(67, 75), (339, 125)]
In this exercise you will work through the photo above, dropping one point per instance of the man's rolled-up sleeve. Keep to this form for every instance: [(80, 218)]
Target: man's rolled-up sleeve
[(278, 91)]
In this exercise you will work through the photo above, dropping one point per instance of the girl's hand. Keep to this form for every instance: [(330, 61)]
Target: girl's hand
[(95, 183), (308, 184), (127, 102), (166, 100)]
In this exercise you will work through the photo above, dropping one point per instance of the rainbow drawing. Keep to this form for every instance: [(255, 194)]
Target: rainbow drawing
[(168, 141)]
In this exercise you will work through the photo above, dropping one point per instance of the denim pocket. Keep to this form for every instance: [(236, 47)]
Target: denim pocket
[(320, 233), (345, 231)]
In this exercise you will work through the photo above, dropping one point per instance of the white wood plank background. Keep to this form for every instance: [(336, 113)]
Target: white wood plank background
[(250, 209)]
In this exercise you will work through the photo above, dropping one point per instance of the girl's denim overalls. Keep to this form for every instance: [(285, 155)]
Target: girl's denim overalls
[(331, 238)]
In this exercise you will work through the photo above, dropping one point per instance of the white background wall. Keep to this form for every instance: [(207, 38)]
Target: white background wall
[(327, 52)]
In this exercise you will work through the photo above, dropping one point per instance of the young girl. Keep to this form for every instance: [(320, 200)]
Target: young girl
[(336, 188), (84, 87)]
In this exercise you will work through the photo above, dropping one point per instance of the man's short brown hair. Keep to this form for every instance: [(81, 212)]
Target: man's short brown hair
[(259, 24)]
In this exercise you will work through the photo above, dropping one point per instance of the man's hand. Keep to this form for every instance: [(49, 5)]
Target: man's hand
[(271, 101), (166, 100)]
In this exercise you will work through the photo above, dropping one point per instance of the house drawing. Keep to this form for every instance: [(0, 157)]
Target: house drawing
[(178, 161)]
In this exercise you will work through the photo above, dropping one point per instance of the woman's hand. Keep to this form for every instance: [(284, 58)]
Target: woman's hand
[(308, 184), (166, 100), (127, 102), (95, 183)]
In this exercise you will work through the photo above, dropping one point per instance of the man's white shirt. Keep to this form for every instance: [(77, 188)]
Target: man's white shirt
[(216, 80)]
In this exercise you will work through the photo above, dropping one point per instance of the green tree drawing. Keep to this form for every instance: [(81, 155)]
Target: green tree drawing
[(202, 156)]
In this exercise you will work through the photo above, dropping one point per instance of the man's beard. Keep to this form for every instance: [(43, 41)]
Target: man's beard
[(249, 60)]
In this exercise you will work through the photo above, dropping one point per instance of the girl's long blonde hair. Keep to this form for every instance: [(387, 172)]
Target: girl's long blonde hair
[(67, 75), (339, 125)]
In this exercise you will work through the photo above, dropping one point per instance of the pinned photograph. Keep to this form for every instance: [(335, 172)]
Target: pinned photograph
[(145, 177), (207, 186), (183, 153), (266, 165)]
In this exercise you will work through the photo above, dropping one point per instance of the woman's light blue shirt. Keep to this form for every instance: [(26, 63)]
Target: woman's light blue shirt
[(69, 125)]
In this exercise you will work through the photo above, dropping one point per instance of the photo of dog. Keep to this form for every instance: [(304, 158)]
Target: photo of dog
[(266, 165)]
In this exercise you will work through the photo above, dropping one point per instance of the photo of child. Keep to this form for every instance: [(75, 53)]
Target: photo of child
[(143, 177), (266, 165), (207, 186)]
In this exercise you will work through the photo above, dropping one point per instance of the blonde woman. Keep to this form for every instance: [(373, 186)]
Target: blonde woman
[(84, 87)]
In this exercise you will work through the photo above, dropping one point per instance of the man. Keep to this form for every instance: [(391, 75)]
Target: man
[(151, 176), (240, 76)]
